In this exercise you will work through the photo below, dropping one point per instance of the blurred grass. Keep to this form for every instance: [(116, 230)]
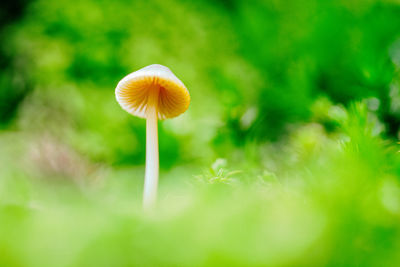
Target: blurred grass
[(328, 201), (287, 155)]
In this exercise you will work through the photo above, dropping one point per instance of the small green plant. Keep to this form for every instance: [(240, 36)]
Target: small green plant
[(219, 174)]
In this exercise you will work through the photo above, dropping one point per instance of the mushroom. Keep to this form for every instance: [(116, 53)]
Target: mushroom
[(152, 93)]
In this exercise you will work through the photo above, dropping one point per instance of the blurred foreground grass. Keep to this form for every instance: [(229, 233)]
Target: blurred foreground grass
[(324, 200)]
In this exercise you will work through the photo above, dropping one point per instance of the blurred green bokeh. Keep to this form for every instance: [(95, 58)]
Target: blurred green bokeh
[(286, 157)]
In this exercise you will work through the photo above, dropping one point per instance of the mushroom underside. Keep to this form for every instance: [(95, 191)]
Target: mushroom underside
[(172, 98)]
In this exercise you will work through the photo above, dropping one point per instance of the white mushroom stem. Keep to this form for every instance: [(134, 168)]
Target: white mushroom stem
[(152, 160)]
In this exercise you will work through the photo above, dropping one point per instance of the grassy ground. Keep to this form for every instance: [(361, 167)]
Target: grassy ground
[(313, 200)]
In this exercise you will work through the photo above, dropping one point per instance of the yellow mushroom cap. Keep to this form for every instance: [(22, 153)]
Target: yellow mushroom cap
[(133, 92)]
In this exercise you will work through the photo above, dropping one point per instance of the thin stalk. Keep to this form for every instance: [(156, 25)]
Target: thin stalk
[(152, 160)]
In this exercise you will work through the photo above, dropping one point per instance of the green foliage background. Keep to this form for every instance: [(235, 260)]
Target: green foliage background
[(287, 155)]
